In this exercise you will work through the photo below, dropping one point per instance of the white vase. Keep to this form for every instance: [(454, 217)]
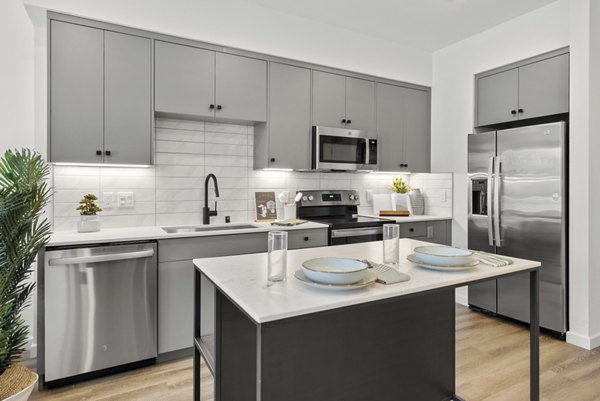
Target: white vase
[(400, 201), (88, 224), (24, 394)]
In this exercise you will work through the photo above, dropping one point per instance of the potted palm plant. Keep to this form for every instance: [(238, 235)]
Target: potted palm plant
[(23, 196)]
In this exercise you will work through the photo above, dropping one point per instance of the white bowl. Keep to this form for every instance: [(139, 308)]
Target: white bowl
[(334, 270), (443, 255)]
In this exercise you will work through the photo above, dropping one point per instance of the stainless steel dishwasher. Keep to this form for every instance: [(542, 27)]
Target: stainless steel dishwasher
[(100, 308)]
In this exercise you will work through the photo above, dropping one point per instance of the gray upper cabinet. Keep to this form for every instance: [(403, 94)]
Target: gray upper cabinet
[(343, 102), (360, 104), (241, 91), (100, 96), (329, 99), (403, 128), (76, 93), (127, 99), (532, 88), (544, 87), (184, 80), (498, 97), (284, 142), (194, 82)]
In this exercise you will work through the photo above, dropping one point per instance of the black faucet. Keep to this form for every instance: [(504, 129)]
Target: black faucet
[(206, 212)]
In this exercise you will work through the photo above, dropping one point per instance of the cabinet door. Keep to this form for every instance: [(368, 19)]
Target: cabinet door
[(360, 104), (241, 88), (76, 93), (289, 117), (184, 80), (416, 131), (329, 99), (498, 97), (544, 87), (175, 305), (127, 99), (390, 125)]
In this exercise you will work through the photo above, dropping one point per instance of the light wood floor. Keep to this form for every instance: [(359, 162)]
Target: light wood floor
[(492, 364)]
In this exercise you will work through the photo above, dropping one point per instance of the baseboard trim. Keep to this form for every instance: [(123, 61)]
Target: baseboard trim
[(583, 341)]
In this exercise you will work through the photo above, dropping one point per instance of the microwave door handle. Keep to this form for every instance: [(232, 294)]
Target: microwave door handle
[(490, 218), (366, 158)]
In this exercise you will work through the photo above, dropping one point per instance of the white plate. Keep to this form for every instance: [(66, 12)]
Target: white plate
[(368, 279), (334, 270), (471, 265), (443, 255)]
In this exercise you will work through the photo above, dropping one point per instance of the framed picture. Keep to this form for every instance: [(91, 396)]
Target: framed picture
[(266, 207)]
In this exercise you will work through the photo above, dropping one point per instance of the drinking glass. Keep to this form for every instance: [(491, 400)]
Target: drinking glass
[(391, 243), (277, 259)]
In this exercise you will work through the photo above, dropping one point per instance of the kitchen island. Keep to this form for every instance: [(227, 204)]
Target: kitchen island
[(293, 342)]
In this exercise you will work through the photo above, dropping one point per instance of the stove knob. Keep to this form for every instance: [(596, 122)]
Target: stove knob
[(310, 197), (354, 197), (304, 198)]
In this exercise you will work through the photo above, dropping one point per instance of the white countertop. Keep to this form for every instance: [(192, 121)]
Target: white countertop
[(66, 238), (410, 219), (243, 279)]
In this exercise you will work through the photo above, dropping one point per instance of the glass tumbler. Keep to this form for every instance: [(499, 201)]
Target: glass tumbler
[(277, 259), (391, 243)]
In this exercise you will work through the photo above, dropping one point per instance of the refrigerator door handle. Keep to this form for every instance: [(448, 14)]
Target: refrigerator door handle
[(489, 201), (496, 205)]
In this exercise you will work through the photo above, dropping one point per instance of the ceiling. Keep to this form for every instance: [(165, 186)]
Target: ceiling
[(424, 24)]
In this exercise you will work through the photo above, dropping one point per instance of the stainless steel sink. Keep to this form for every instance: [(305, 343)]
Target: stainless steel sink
[(197, 229)]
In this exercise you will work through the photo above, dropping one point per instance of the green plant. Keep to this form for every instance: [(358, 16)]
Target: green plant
[(87, 205), (23, 196), (399, 186)]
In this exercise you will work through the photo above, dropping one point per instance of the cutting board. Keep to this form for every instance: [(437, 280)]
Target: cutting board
[(396, 213)]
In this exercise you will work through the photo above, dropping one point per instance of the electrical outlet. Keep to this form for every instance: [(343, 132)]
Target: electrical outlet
[(126, 199), (369, 195), (108, 200), (429, 231), (445, 197)]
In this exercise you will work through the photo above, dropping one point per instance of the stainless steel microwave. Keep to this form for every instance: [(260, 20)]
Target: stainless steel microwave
[(343, 149)]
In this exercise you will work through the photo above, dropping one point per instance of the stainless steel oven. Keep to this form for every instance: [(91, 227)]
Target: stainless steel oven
[(343, 149)]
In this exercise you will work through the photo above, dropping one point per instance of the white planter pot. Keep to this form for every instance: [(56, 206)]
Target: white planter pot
[(24, 394), (400, 201), (88, 224)]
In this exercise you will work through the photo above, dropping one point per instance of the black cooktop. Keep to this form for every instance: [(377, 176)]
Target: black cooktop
[(350, 221)]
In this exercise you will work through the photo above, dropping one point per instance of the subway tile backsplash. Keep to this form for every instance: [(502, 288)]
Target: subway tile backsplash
[(171, 191)]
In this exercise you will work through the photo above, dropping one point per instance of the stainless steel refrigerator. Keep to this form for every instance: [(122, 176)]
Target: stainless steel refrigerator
[(517, 207)]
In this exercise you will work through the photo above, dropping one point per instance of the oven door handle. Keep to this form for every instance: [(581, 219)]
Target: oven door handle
[(356, 232)]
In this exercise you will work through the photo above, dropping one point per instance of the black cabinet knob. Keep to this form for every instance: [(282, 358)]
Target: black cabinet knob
[(219, 107), (513, 112), (344, 121), (211, 107), (272, 160), (306, 238), (349, 122), (520, 110), (107, 152), (98, 153), (411, 229)]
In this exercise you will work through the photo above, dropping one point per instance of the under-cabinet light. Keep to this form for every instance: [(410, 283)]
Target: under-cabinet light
[(101, 165), (391, 172), (278, 169)]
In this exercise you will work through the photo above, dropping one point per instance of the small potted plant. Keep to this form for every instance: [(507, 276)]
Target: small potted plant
[(88, 209), (23, 196), (400, 198)]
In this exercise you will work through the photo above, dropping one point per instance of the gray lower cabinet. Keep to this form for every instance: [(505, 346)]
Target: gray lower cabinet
[(175, 276), (197, 83), (100, 96), (439, 231), (76, 93), (284, 141), (343, 102), (403, 129), (532, 88)]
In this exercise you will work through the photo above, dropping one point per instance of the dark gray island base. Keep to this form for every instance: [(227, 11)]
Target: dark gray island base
[(397, 348)]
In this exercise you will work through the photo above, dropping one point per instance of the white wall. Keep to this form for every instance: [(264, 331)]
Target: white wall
[(565, 22), (252, 27)]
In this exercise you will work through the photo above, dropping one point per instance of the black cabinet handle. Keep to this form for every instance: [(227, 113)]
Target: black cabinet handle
[(349, 122), (411, 229), (513, 112), (344, 121), (306, 238), (520, 110), (98, 153), (272, 160), (211, 107), (219, 107), (107, 152)]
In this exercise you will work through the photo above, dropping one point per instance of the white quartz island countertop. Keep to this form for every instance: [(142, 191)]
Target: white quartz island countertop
[(148, 233), (243, 279)]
